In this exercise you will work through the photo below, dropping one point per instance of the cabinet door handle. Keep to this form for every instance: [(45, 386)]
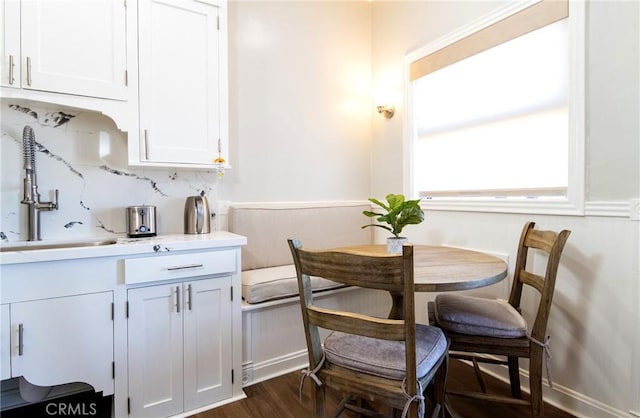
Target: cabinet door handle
[(178, 299), (189, 297), (28, 71), (187, 266), (146, 144), (20, 339), (11, 65)]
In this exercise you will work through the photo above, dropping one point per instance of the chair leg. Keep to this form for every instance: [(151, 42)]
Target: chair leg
[(476, 368), (514, 377), (536, 398), (535, 382), (317, 401), (439, 393)]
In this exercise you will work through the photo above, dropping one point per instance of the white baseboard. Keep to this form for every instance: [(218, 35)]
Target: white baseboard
[(257, 372)]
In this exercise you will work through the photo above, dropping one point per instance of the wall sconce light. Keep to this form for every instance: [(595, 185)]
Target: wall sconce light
[(387, 110)]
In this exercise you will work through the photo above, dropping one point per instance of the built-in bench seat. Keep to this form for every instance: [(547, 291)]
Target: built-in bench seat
[(271, 283), (267, 268), (273, 336)]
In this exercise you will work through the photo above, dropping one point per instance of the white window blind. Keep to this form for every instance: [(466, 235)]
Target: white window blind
[(496, 123), (496, 113)]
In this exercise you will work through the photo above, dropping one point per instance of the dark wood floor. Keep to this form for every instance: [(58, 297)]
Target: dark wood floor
[(278, 398)]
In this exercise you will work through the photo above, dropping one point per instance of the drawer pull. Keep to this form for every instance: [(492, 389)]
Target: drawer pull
[(178, 299), (20, 339), (187, 266)]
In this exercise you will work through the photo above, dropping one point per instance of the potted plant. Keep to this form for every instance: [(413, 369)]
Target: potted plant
[(399, 213)]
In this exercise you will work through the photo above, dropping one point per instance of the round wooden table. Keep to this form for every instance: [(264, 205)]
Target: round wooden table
[(441, 269)]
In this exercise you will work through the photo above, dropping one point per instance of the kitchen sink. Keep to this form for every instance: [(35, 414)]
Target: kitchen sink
[(39, 245)]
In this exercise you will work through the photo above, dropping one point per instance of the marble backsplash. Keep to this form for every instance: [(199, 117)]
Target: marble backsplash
[(84, 155)]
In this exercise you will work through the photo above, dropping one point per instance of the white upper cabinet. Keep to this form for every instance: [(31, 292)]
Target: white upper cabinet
[(183, 83), (10, 43), (73, 47), (158, 68)]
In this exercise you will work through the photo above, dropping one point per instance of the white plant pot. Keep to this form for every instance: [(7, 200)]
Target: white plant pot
[(394, 245)]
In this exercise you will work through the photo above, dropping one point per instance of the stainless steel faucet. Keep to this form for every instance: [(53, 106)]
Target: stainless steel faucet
[(31, 196)]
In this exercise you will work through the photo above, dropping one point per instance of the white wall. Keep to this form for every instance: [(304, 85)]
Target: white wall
[(613, 104), (595, 319), (300, 101)]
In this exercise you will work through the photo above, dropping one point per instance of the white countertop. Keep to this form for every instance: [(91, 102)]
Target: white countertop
[(123, 246)]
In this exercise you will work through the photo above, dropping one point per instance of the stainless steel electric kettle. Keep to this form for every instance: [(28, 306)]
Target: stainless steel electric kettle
[(197, 217)]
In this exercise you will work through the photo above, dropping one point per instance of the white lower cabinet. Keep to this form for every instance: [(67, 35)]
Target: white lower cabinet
[(5, 345), (179, 346), (61, 340)]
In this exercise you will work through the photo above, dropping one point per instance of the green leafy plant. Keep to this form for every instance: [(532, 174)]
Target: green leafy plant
[(399, 213)]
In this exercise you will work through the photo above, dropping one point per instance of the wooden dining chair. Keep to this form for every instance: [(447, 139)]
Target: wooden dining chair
[(477, 326), (370, 360)]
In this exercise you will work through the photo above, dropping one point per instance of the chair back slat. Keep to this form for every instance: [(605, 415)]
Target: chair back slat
[(378, 272), (353, 323), (543, 240), (532, 279)]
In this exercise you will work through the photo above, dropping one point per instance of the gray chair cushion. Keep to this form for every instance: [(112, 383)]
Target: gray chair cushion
[(479, 316), (382, 357)]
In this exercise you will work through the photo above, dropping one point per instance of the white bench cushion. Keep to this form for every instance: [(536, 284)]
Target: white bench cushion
[(261, 285)]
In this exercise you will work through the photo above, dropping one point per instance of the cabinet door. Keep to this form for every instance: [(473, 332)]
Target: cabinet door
[(155, 351), (63, 340), (207, 342), (5, 347), (179, 66), (74, 46), (10, 43)]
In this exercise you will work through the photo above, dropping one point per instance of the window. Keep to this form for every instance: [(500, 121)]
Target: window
[(495, 115)]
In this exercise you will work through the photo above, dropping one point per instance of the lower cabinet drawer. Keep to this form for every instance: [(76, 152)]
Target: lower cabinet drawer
[(178, 266)]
